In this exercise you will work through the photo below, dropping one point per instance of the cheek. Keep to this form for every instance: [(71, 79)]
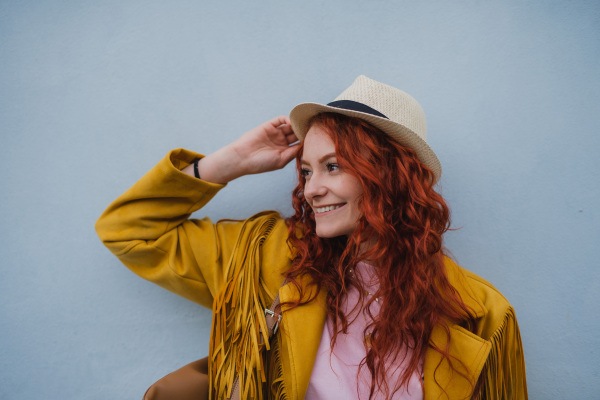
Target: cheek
[(356, 195), (356, 214)]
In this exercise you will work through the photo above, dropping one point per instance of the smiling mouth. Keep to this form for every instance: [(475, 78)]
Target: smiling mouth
[(320, 210)]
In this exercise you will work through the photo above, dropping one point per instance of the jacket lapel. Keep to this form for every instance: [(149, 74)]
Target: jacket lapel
[(468, 352), (302, 328)]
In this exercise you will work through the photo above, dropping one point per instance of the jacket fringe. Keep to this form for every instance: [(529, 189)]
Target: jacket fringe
[(239, 331), (503, 374), (276, 372)]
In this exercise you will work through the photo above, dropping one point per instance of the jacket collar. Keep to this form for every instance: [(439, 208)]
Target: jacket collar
[(302, 328)]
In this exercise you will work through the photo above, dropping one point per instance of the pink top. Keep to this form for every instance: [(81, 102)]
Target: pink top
[(335, 373)]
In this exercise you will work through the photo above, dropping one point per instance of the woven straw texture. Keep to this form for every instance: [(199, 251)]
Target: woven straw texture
[(405, 120)]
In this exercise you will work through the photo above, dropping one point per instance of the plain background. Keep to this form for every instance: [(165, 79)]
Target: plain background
[(93, 94)]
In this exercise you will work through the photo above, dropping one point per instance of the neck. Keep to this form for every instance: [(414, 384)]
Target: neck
[(364, 249)]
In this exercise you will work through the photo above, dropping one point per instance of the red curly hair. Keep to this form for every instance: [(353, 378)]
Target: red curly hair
[(402, 219)]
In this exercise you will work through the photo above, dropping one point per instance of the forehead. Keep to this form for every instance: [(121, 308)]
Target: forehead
[(317, 144)]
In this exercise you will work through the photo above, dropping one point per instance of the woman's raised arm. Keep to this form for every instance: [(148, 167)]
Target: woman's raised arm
[(148, 227), (267, 147)]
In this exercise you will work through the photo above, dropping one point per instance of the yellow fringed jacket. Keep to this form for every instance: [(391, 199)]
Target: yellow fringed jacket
[(236, 267)]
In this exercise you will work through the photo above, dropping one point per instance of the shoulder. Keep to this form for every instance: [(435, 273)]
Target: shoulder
[(263, 236), (265, 223), (489, 304)]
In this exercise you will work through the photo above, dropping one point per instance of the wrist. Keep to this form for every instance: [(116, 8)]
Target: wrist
[(221, 167), (196, 172)]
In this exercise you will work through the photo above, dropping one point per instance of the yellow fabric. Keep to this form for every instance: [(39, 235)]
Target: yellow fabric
[(234, 267)]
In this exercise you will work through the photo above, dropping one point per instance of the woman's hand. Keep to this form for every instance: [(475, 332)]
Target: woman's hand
[(267, 147)]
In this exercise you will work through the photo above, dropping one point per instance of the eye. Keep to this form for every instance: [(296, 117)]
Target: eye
[(332, 167), (305, 173)]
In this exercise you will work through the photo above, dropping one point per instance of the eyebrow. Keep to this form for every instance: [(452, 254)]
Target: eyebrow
[(320, 160)]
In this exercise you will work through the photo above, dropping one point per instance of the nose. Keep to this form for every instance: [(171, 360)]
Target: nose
[(314, 187)]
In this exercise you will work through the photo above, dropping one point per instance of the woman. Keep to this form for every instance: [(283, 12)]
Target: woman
[(371, 306)]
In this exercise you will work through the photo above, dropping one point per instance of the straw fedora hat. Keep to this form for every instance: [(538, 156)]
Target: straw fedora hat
[(387, 108)]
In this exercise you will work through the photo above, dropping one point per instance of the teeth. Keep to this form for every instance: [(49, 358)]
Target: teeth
[(325, 209)]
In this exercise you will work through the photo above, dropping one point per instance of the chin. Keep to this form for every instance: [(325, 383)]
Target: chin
[(330, 232), (326, 235)]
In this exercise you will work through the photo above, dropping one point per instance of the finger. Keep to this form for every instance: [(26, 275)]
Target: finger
[(291, 137), (288, 154), (279, 121), (286, 120)]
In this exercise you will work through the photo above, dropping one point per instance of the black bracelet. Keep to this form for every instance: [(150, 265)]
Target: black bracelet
[(196, 173)]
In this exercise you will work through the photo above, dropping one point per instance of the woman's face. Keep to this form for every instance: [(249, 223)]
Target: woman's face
[(332, 193)]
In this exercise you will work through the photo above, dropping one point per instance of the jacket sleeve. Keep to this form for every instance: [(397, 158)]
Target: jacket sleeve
[(149, 230)]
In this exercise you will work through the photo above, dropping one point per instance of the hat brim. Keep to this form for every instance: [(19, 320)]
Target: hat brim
[(302, 114)]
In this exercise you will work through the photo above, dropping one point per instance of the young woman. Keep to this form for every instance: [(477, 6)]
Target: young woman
[(371, 306)]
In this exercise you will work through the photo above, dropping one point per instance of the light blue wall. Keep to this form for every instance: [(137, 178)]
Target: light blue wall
[(93, 94)]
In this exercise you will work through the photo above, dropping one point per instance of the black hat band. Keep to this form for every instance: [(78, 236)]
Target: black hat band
[(356, 106)]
